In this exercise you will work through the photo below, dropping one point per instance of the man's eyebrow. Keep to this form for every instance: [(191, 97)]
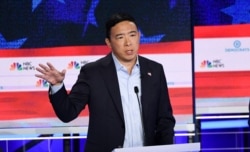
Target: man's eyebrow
[(131, 32), (120, 34)]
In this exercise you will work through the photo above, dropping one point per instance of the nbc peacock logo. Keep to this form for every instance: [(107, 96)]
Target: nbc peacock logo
[(206, 64), (216, 63), (42, 83), (73, 65), (16, 66)]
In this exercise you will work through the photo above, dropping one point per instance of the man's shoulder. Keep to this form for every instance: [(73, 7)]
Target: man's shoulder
[(145, 60), (101, 61)]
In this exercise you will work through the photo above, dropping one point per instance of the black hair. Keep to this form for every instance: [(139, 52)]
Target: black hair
[(117, 18)]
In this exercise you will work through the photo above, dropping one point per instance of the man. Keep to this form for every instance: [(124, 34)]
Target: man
[(126, 93)]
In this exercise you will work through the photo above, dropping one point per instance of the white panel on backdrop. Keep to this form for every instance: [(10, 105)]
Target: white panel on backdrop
[(18, 74), (222, 54)]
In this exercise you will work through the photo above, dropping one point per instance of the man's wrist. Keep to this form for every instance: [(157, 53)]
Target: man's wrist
[(56, 84), (55, 88)]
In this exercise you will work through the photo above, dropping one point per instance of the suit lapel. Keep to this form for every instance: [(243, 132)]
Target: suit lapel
[(110, 78), (145, 84)]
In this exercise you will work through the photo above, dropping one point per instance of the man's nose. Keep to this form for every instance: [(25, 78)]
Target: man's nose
[(127, 42)]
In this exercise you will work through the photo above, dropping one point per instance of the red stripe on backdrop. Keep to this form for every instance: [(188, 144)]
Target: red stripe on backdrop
[(241, 30), (222, 84), (181, 100), (166, 47), (24, 105), (55, 51)]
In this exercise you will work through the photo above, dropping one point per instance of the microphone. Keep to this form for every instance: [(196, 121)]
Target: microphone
[(140, 108), (139, 102), (136, 91)]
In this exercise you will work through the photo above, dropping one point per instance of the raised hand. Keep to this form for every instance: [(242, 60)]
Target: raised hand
[(50, 73)]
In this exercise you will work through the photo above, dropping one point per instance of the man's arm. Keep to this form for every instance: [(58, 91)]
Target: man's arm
[(166, 123)]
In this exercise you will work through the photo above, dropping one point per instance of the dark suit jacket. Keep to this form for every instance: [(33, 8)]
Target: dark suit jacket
[(249, 114), (97, 85)]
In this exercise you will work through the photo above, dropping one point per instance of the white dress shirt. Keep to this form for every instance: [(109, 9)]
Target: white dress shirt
[(130, 106)]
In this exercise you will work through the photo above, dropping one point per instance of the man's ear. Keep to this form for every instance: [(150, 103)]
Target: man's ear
[(107, 41), (139, 32)]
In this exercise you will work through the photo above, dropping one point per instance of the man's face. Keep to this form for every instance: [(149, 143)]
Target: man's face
[(124, 41)]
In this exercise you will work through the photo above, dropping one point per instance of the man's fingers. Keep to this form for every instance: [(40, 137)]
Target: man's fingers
[(50, 66), (63, 72), (41, 70), (40, 76), (50, 74)]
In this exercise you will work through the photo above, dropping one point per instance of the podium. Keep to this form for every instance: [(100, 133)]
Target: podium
[(187, 147)]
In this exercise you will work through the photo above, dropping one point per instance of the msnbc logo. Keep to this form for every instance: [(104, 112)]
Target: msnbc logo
[(16, 66), (73, 64), (42, 83)]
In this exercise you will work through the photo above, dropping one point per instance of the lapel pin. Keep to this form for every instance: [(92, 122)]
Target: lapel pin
[(149, 74)]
